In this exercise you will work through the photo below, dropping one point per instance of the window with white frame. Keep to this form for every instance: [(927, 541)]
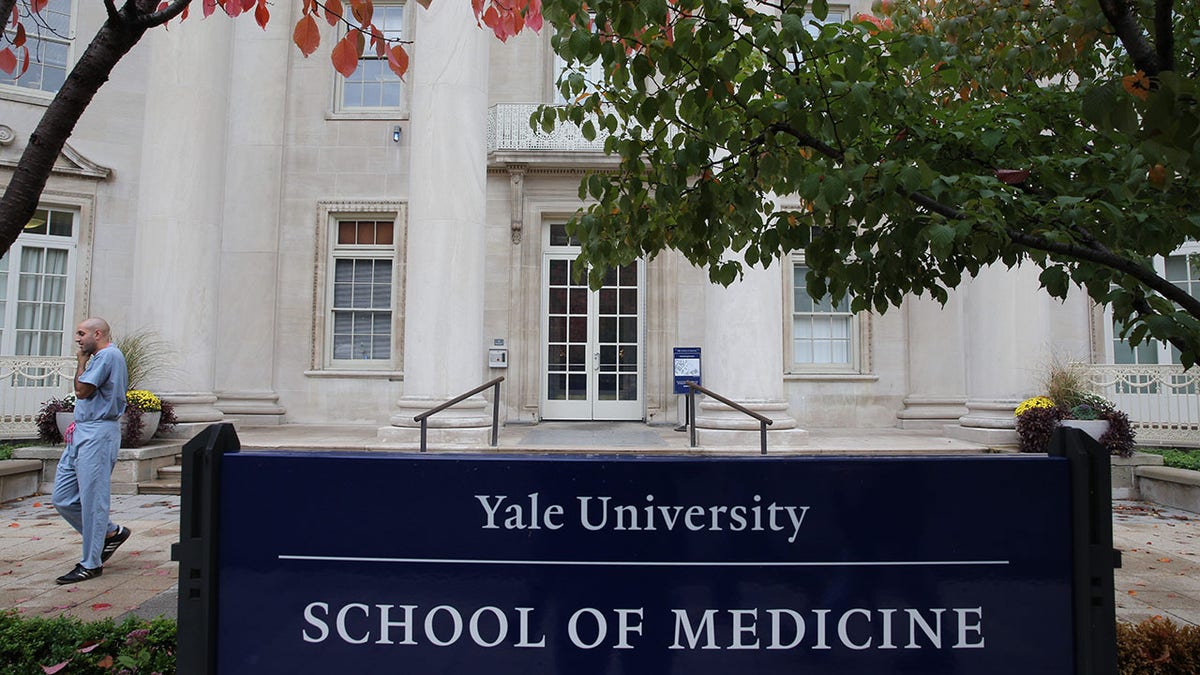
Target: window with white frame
[(824, 334), (37, 281), (374, 87), (361, 296), (593, 74), (1181, 268), (48, 37)]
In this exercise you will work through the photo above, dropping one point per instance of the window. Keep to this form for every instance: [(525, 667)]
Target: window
[(358, 315), (593, 73), (1182, 269), (374, 87), (823, 334), (37, 286), (361, 311), (48, 38)]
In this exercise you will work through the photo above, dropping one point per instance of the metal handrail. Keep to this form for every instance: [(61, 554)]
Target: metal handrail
[(423, 418), (763, 420)]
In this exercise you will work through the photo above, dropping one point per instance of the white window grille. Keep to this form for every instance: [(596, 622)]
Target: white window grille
[(48, 37), (374, 87)]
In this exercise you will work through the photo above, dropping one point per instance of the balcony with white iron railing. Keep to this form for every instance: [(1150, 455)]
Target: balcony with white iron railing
[(25, 383), (511, 140), (1162, 401)]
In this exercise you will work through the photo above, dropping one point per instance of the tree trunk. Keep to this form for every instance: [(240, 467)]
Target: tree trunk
[(114, 39)]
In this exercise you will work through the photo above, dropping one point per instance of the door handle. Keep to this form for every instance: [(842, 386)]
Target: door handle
[(596, 361)]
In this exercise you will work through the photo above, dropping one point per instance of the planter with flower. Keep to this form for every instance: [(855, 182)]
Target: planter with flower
[(145, 415), (1039, 416)]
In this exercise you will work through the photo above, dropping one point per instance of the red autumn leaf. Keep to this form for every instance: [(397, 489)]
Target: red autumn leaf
[(477, 6), (88, 646), (184, 13), (19, 38), (1137, 84), (24, 60), (363, 11), (425, 3), (101, 606), (13, 524), (1133, 592), (1164, 560), (247, 5), (1012, 176), (307, 35), (105, 662), (262, 15), (8, 63), (398, 61), (345, 56), (38, 5), (50, 670), (210, 6), (334, 12)]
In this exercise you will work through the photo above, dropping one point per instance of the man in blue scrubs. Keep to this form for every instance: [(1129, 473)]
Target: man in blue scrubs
[(81, 483)]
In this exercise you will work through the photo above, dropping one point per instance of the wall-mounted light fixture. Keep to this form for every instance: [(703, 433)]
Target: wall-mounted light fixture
[(396, 134)]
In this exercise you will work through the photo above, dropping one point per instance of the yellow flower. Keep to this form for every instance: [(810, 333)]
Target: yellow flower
[(143, 400), (1031, 403)]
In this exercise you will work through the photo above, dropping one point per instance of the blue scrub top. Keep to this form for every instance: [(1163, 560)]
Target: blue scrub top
[(107, 373)]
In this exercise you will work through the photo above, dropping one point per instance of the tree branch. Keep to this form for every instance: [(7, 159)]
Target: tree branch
[(1130, 33), (1164, 35), (161, 16)]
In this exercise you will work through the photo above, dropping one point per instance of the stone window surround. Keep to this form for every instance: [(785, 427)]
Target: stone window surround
[(860, 366), (328, 214)]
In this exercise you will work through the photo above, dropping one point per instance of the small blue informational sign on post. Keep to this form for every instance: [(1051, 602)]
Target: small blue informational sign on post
[(523, 565), (687, 368)]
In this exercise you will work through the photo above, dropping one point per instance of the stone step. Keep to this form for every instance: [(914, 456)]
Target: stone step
[(159, 486), (174, 472)]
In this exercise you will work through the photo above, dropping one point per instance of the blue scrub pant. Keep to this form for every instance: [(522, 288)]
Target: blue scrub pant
[(81, 484)]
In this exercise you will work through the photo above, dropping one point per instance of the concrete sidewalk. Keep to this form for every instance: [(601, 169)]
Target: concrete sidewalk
[(1160, 573)]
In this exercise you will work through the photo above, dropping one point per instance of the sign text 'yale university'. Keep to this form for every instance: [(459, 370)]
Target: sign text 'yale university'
[(683, 565)]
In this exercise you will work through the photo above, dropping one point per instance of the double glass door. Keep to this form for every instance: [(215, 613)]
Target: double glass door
[(592, 343)]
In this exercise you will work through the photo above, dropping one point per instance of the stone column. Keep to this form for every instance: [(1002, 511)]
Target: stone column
[(936, 378), (1008, 335), (181, 192), (444, 350), (250, 225), (743, 361)]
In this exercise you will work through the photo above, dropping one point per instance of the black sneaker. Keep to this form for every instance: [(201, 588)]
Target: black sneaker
[(80, 573), (111, 544)]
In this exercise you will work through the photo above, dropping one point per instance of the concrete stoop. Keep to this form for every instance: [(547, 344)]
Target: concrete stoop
[(1177, 488), (135, 466), (19, 478)]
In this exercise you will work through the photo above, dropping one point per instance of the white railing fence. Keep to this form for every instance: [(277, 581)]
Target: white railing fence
[(25, 383), (509, 130), (1162, 401)]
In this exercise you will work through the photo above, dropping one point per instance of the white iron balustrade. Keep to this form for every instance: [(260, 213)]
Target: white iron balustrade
[(25, 383), (1162, 401)]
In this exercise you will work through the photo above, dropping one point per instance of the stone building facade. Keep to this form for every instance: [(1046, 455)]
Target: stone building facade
[(324, 251)]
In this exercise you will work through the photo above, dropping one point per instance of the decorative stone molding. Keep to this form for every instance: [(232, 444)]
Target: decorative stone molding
[(70, 161), (7, 136), (516, 198)]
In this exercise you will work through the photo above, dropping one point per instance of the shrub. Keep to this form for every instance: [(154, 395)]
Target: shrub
[(1157, 646), (47, 425), (1035, 425), (1179, 458), (38, 645)]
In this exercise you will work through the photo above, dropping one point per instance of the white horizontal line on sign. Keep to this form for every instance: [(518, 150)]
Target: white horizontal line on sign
[(655, 563)]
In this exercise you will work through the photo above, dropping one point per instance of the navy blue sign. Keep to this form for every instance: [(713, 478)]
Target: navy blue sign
[(686, 367), (659, 566)]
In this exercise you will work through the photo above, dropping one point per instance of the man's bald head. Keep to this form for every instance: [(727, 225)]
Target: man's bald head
[(92, 335), (96, 323)]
